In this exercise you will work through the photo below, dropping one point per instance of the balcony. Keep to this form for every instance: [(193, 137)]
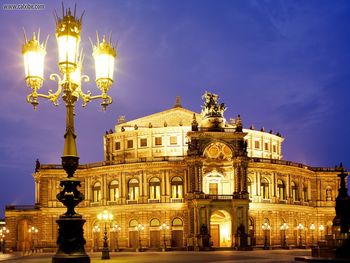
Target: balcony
[(116, 202), (132, 202), (153, 201), (219, 197), (176, 200)]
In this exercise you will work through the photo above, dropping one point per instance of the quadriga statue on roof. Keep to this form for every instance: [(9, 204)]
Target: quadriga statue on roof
[(212, 112)]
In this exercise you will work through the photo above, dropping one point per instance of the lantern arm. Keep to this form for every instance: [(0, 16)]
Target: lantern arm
[(32, 98), (87, 97)]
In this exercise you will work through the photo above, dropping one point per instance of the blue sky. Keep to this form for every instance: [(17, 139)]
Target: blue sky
[(283, 65)]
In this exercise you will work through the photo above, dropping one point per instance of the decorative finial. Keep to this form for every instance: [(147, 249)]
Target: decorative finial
[(252, 127), (194, 123), (150, 125), (136, 127), (262, 129), (121, 119), (239, 125), (165, 124), (178, 102)]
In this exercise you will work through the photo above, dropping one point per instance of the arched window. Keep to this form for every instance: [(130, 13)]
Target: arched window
[(133, 223), (154, 188), (114, 190), (133, 187), (177, 222), (295, 194), (176, 187), (96, 192), (281, 188), (305, 193), (249, 187), (264, 187), (328, 193), (154, 222)]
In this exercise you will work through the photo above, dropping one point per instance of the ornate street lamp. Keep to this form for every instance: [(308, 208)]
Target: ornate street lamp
[(96, 230), (33, 231), (284, 227), (3, 232), (300, 227), (116, 229), (164, 227), (321, 229), (68, 29), (266, 227), (139, 228), (106, 217), (312, 229)]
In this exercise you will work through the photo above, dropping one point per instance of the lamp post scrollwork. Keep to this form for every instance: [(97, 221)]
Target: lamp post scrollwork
[(312, 229), (70, 239), (284, 227), (266, 227), (33, 231), (300, 227), (105, 217), (164, 227)]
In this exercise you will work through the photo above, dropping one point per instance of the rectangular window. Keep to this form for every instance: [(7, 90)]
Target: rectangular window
[(130, 144), (117, 146), (266, 146), (274, 148), (143, 142), (158, 141), (256, 144), (173, 140), (213, 188)]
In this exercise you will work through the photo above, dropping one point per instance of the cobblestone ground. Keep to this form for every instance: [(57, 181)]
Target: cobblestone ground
[(175, 257)]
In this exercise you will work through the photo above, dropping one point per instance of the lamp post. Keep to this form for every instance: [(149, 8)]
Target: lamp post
[(312, 229), (106, 217), (33, 231), (321, 228), (116, 229), (266, 227), (3, 232), (164, 227), (68, 28), (139, 228), (96, 230), (284, 227), (300, 227)]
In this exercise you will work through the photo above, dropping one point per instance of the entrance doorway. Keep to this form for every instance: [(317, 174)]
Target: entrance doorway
[(220, 229)]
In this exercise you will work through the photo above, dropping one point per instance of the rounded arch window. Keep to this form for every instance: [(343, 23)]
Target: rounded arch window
[(133, 187), (281, 189), (154, 222), (176, 187), (133, 223), (113, 190), (96, 192), (264, 186), (305, 193), (295, 194), (177, 222), (154, 188), (328, 193)]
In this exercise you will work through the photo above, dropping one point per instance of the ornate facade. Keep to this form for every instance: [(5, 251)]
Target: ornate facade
[(212, 182)]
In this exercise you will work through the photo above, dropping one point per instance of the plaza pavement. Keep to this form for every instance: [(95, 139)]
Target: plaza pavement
[(175, 257)]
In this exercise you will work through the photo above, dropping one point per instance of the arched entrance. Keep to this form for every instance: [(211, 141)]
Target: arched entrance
[(220, 229)]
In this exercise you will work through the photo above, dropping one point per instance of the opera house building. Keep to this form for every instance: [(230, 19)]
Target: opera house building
[(213, 182)]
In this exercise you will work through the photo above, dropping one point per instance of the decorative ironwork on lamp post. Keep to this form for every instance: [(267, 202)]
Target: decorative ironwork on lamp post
[(321, 228), (266, 227), (164, 227), (70, 239), (106, 217), (3, 232), (116, 229), (33, 231), (139, 228), (312, 229), (300, 227), (284, 227)]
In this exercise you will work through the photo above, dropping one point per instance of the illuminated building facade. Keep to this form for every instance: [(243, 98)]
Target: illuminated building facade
[(211, 181)]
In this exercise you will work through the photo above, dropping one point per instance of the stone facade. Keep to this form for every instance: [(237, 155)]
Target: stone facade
[(197, 173)]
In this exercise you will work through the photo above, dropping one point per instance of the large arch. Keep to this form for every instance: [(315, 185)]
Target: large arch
[(220, 228)]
